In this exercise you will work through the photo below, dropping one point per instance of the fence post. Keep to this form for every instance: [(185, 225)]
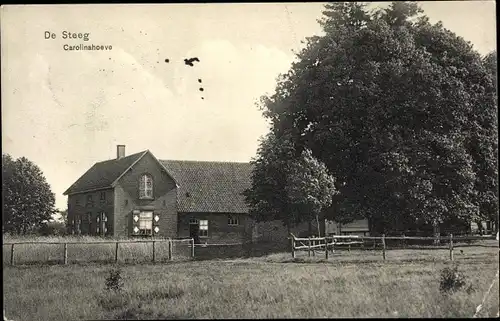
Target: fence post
[(326, 248), (65, 253), (192, 248), (116, 252), (293, 246), (309, 247), (451, 246), (333, 244), (12, 254), (154, 252), (170, 249), (383, 245)]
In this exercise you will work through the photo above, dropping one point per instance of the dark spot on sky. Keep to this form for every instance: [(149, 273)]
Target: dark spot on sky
[(202, 98), (190, 61), (199, 80), (201, 89), (167, 60), (109, 58)]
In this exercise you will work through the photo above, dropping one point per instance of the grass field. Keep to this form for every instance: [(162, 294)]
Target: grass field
[(349, 284)]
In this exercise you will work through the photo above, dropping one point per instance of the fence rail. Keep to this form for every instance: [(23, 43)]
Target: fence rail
[(172, 243), (328, 243)]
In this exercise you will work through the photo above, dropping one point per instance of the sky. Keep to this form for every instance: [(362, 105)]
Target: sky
[(66, 110)]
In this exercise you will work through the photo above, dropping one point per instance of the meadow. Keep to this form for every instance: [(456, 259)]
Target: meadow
[(348, 284)]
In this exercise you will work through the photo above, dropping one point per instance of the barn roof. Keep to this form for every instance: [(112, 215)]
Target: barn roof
[(206, 186), (203, 186)]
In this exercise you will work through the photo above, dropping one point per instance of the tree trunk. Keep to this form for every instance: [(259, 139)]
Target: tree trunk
[(479, 226), (309, 228), (436, 232), (319, 228)]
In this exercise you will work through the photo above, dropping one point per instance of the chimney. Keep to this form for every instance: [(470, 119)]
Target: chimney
[(120, 151)]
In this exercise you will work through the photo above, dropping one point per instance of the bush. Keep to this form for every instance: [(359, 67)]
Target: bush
[(114, 281), (53, 229), (451, 279)]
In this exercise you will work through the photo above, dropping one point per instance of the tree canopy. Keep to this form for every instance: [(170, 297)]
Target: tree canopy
[(286, 187), (402, 112), (28, 201)]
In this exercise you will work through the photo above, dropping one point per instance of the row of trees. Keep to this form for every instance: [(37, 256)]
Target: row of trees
[(386, 117)]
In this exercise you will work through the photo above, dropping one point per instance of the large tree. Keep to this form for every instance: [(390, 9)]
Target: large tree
[(27, 198), (402, 112), (286, 186)]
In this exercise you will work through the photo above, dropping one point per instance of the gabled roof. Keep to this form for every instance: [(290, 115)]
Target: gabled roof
[(103, 174), (210, 187), (203, 186)]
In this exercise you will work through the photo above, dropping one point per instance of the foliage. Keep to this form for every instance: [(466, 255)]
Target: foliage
[(286, 186), (451, 279), (53, 228), (114, 281), (256, 289), (28, 199), (402, 112)]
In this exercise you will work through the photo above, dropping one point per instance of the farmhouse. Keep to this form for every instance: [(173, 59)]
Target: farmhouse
[(140, 195)]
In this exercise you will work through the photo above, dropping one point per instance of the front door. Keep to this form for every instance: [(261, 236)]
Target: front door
[(194, 232)]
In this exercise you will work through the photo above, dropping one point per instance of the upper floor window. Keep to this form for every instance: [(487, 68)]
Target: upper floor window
[(146, 186), (89, 200), (103, 196)]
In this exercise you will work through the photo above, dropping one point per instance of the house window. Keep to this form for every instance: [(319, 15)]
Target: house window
[(231, 220), (146, 223), (103, 196), (146, 186), (101, 226), (77, 201), (203, 228), (77, 225), (89, 200)]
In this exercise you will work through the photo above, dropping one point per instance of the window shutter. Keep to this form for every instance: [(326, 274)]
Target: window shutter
[(156, 223), (104, 221), (135, 222)]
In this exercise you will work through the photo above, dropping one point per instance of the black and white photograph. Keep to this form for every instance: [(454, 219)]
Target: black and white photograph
[(281, 160)]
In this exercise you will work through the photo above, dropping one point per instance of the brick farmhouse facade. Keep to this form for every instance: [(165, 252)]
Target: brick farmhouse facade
[(140, 195)]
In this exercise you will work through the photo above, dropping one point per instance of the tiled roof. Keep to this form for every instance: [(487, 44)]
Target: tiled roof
[(103, 174), (203, 186), (210, 186)]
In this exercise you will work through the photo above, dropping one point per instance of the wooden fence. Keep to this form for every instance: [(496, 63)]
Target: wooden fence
[(154, 244), (114, 251), (329, 243)]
